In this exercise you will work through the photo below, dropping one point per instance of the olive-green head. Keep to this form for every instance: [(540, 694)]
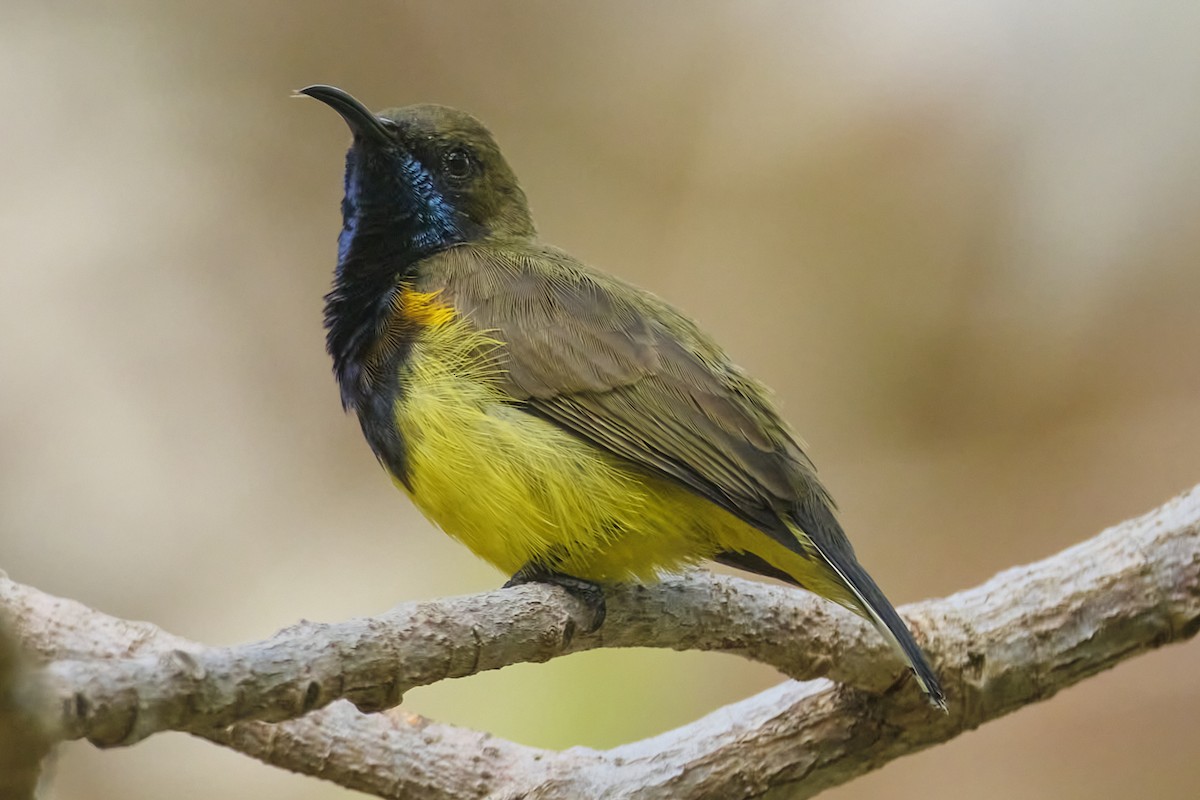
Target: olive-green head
[(419, 180), (426, 175)]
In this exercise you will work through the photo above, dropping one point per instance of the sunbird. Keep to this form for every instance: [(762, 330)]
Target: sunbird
[(566, 426)]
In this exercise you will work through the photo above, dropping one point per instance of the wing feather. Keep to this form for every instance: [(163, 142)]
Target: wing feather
[(622, 369)]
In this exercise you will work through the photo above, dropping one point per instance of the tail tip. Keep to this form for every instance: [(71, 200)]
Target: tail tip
[(933, 691)]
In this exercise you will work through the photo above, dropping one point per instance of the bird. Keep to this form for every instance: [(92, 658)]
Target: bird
[(565, 425)]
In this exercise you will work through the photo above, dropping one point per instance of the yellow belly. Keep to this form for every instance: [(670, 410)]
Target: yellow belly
[(516, 488)]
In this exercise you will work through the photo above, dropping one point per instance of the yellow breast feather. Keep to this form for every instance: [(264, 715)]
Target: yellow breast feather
[(516, 488), (424, 308)]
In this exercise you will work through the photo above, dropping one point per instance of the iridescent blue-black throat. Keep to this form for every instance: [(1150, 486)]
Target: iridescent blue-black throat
[(393, 216)]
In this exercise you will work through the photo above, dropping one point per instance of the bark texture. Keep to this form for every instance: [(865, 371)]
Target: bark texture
[(1019, 638), (26, 732)]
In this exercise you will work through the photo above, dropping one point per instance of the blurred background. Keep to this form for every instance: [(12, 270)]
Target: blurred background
[(960, 242)]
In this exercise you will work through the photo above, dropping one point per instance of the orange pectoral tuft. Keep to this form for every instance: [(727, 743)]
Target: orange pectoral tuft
[(423, 308)]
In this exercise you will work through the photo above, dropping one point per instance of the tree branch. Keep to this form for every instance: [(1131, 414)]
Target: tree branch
[(25, 735), (1017, 639), (371, 662)]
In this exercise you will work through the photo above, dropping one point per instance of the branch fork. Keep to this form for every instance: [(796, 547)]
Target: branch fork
[(1018, 638)]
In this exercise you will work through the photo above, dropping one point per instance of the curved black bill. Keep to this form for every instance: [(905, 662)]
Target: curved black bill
[(360, 119)]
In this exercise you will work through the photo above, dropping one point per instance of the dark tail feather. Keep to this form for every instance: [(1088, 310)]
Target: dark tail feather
[(875, 606)]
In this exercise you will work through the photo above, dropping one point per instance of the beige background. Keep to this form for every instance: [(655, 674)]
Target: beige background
[(960, 243)]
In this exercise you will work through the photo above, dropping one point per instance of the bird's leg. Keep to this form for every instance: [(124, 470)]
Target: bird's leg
[(586, 592)]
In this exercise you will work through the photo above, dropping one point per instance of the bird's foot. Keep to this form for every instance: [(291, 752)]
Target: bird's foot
[(586, 592)]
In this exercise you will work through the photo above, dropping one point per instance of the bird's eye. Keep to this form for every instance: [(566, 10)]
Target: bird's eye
[(458, 164)]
